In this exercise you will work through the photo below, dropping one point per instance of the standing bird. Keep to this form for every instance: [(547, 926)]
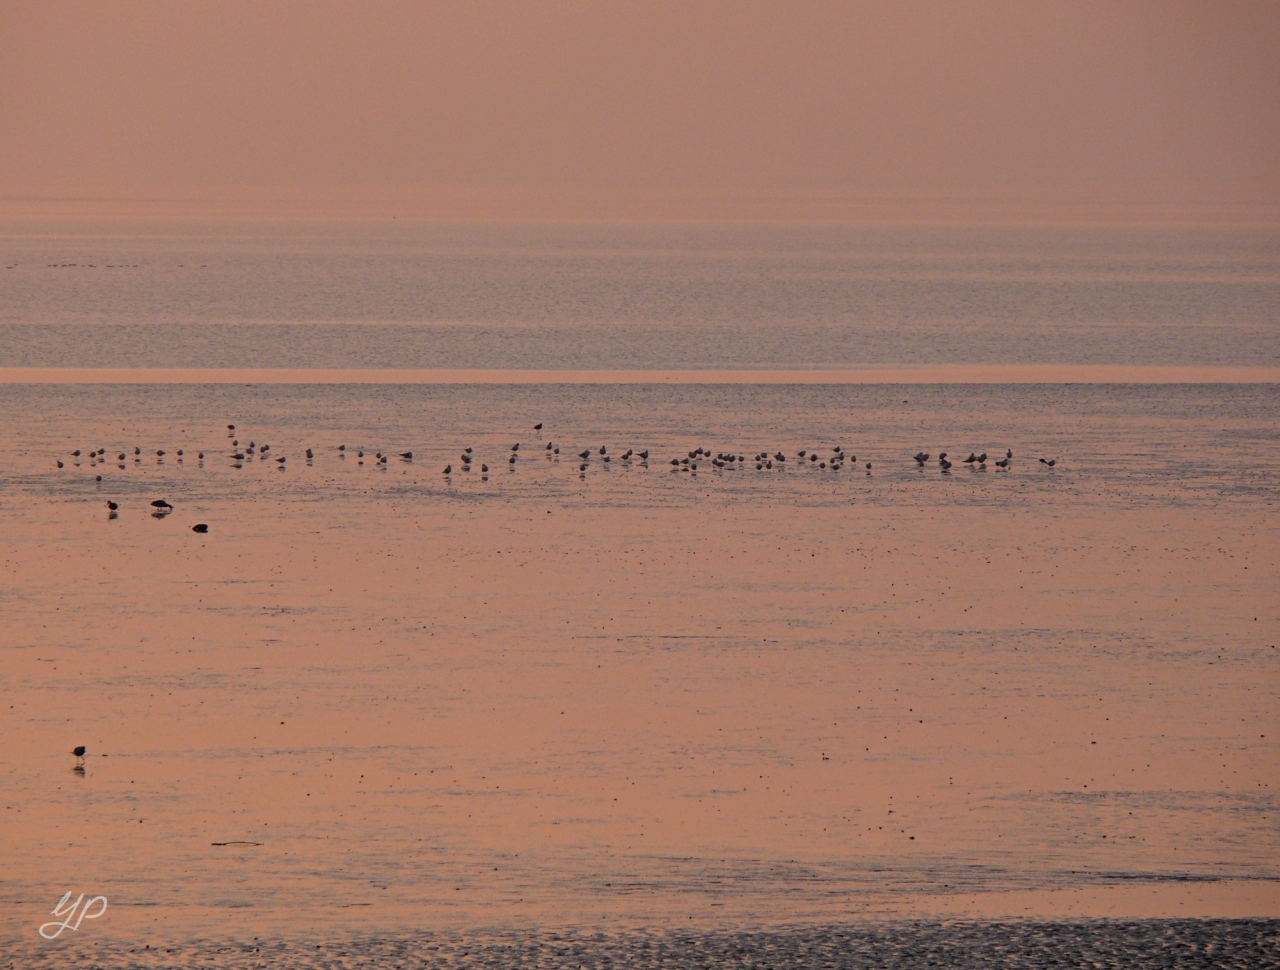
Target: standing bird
[(79, 751), (200, 527), (538, 426), (448, 469), (113, 506), (162, 505), (516, 446), (1009, 453)]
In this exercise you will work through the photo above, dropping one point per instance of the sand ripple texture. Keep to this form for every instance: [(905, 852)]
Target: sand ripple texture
[(1224, 944)]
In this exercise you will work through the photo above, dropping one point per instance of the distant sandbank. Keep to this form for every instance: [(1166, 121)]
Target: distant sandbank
[(933, 374)]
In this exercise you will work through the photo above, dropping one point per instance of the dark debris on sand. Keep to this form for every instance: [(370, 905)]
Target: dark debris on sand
[(1132, 945)]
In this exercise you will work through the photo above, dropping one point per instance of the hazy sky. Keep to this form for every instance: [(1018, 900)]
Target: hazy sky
[(1133, 103)]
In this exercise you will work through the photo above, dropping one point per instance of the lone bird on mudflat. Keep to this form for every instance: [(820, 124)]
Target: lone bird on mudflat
[(162, 505), (79, 751)]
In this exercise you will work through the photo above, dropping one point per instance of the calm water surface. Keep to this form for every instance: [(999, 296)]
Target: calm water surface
[(637, 715)]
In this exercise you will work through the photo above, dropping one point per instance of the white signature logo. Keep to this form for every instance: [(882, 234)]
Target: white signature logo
[(70, 912)]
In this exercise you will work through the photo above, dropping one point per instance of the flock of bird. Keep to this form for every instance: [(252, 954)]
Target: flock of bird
[(467, 460)]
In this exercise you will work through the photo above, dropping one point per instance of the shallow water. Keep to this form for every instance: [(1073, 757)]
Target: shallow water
[(379, 703)]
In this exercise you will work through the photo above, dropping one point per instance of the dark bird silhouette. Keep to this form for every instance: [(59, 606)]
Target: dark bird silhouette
[(448, 469), (201, 456), (467, 450), (644, 456), (200, 527), (920, 457), (342, 447), (113, 506), (982, 458), (1009, 453), (466, 459), (548, 448), (162, 505), (1050, 462), (238, 456), (1002, 463), (516, 446), (944, 465), (603, 449), (231, 427), (942, 456), (309, 453), (538, 426), (484, 468), (971, 459), (281, 459), (60, 465), (585, 454), (76, 453), (582, 467), (120, 457), (79, 751)]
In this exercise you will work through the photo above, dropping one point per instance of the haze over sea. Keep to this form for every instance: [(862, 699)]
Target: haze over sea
[(854, 711)]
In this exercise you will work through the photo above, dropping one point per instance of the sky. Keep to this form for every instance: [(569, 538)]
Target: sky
[(696, 108)]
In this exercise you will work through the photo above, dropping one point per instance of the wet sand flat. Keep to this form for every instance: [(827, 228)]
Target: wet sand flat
[(637, 697)]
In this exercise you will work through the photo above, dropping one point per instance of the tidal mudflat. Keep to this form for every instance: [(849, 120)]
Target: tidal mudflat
[(375, 702)]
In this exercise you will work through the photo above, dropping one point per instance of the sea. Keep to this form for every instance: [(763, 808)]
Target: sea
[(587, 595)]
